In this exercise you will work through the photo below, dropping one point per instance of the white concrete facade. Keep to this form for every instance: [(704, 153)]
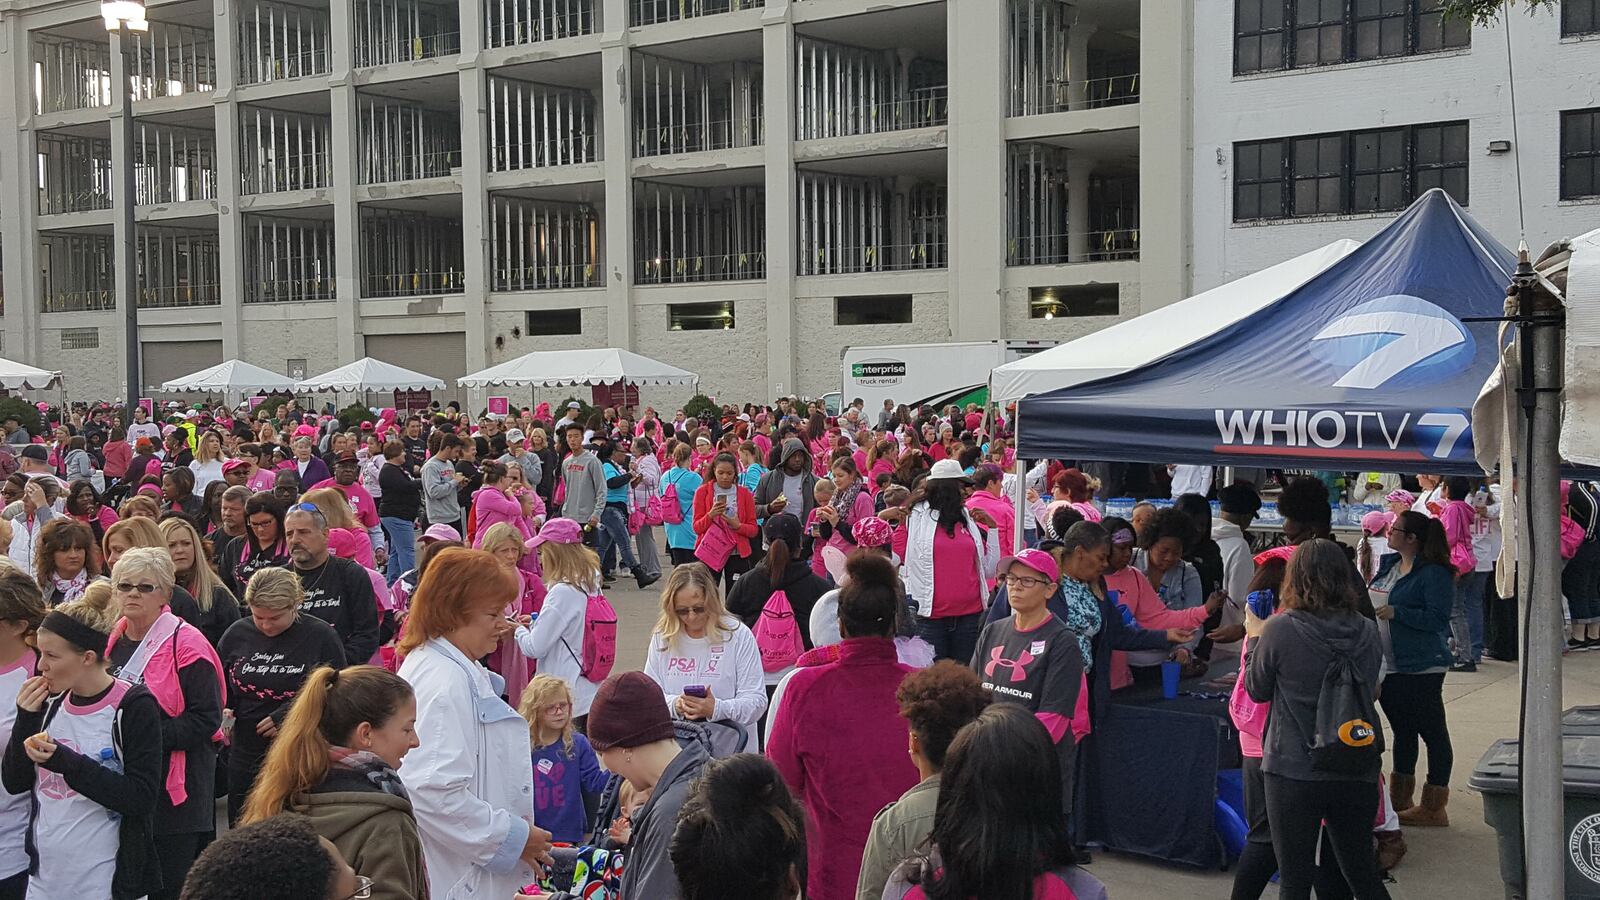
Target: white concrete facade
[(1552, 74), (785, 339)]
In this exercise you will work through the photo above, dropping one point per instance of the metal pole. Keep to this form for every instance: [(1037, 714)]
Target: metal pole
[(125, 253), (1539, 345)]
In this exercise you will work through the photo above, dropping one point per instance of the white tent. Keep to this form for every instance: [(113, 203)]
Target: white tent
[(558, 368), (15, 376), (232, 377), (368, 374), (1137, 342)]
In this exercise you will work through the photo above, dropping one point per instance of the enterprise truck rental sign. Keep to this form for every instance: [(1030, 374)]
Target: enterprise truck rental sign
[(878, 372)]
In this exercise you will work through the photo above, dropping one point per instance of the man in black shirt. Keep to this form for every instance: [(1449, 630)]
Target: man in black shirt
[(416, 446), (338, 591)]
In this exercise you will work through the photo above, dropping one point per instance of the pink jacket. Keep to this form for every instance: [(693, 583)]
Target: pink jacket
[(999, 509), (493, 507), (349, 543), (840, 743), (1457, 517), (161, 677)]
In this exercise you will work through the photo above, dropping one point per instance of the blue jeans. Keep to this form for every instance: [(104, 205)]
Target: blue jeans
[(614, 535), (952, 637), (1466, 617), (402, 535)]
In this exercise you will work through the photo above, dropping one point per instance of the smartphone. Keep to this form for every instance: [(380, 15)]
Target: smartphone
[(695, 690)]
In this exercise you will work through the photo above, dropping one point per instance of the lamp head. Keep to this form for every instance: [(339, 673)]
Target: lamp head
[(118, 13)]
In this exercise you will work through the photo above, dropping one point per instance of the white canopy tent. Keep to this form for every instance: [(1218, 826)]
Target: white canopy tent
[(232, 377), (1137, 342), (560, 368), (15, 376), (368, 374)]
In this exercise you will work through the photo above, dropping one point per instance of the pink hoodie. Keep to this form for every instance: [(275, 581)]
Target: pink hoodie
[(492, 506)]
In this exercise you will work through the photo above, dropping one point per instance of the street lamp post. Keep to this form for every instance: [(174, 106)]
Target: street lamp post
[(123, 17)]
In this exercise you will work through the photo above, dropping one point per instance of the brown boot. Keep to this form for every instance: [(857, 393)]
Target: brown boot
[(1391, 849), (1431, 813), (1401, 791)]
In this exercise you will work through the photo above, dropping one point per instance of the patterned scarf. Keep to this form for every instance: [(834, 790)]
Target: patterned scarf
[(844, 500), (71, 588), (1083, 616), (370, 766)]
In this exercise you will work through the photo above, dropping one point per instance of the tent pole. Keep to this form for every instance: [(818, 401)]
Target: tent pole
[(1539, 345), (1019, 490)]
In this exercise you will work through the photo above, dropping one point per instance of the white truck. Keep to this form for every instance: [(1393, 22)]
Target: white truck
[(930, 374)]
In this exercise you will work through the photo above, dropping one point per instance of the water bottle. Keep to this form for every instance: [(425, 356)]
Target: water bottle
[(108, 758)]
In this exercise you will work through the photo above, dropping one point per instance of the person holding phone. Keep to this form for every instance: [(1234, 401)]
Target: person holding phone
[(724, 503)]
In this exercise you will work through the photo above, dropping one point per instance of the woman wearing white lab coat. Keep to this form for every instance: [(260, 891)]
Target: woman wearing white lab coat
[(469, 779)]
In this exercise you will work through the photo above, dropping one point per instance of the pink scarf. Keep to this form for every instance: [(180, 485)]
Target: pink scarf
[(185, 645)]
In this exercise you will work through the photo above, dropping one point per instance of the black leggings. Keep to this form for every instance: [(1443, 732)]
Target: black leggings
[(176, 854), (1415, 707), (1258, 862), (15, 887), (1301, 811), (681, 556)]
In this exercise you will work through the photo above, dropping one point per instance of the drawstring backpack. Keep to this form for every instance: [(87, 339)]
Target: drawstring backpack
[(778, 634)]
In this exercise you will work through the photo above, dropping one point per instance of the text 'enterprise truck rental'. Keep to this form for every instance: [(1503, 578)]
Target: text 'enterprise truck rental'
[(927, 374)]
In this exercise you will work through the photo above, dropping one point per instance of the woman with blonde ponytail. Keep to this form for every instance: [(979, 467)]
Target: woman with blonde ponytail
[(334, 762)]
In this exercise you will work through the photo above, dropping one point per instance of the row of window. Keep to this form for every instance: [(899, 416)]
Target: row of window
[(1068, 301), (1277, 35), (1385, 169)]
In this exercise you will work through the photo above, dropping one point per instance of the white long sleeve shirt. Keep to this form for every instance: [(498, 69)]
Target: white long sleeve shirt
[(731, 668), (555, 642)]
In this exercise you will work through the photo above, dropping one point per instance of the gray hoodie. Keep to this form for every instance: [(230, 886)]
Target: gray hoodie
[(770, 487), (586, 486), (1287, 664)]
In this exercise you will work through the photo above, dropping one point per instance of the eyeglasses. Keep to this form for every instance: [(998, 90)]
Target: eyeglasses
[(1394, 531), (363, 889), (127, 587), (304, 507), (1023, 580), (558, 707), (692, 611)]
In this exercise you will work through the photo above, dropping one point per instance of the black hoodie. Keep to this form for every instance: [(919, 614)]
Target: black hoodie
[(770, 487), (802, 586)]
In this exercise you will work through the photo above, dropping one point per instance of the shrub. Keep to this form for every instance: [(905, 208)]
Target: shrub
[(26, 414), (353, 415)]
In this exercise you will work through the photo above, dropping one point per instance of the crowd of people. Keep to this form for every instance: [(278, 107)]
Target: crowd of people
[(387, 644)]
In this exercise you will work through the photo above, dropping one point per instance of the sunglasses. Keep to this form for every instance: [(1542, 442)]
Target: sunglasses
[(128, 587), (691, 611), (363, 889)]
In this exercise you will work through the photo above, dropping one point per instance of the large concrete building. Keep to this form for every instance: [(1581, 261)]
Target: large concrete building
[(735, 186), (1316, 120), (738, 187)]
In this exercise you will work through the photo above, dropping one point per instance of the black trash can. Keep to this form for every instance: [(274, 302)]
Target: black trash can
[(1496, 779)]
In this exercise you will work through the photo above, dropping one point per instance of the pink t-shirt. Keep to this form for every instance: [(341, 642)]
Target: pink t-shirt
[(956, 591), (262, 480)]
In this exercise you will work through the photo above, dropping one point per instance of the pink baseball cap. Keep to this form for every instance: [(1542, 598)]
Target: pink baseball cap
[(441, 532), (232, 464), (1377, 521), (557, 531), (1405, 497), (1037, 560)]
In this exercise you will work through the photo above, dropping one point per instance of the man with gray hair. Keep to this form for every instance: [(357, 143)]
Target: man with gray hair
[(338, 591), (226, 545)]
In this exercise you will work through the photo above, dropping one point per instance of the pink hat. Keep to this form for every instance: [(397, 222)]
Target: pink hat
[(1037, 560), (441, 533), (557, 531), (148, 489), (232, 464), (301, 431), (871, 531), (1405, 497), (1377, 521)]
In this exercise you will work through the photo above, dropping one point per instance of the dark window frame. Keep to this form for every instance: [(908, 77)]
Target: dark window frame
[(575, 312), (1338, 22), (697, 316), (1572, 25), (1588, 156), (841, 307), (1333, 189)]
